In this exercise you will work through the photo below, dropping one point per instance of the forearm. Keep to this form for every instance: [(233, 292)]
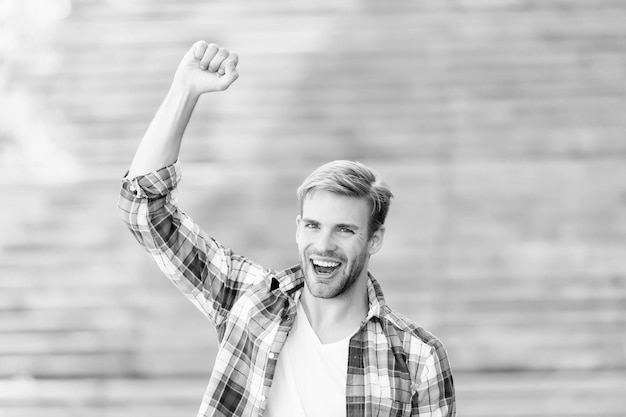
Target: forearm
[(205, 68), (161, 143), (148, 197)]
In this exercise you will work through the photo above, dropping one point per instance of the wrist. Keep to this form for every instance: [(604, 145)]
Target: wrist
[(183, 92)]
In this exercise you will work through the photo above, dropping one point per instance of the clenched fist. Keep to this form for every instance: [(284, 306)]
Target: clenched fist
[(206, 68)]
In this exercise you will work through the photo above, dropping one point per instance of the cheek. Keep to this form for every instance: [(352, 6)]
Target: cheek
[(357, 252), (302, 244), (299, 236)]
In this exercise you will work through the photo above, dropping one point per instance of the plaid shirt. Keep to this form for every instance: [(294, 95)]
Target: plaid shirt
[(395, 368)]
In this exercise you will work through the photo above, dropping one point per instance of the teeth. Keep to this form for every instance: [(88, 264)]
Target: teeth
[(326, 264)]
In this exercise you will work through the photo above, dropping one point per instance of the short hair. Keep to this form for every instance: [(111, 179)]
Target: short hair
[(351, 179)]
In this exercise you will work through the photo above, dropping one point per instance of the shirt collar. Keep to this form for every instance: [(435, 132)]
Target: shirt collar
[(289, 281), (376, 298)]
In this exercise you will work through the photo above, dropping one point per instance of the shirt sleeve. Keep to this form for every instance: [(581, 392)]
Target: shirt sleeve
[(434, 394), (211, 276)]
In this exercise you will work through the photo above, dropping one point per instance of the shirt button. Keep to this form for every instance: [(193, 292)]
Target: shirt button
[(263, 398), (271, 355)]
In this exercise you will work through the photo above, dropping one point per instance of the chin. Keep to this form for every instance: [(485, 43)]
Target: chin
[(327, 289)]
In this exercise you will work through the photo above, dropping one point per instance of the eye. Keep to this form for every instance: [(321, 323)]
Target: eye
[(311, 226), (346, 230)]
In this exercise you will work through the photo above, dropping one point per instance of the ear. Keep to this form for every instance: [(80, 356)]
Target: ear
[(298, 221), (376, 241)]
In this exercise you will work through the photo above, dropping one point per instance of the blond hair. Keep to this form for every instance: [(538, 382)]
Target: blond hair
[(351, 179)]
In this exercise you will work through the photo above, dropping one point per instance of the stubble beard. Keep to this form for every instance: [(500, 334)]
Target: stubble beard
[(342, 283)]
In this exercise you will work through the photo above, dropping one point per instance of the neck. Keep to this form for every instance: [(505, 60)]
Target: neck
[(334, 319)]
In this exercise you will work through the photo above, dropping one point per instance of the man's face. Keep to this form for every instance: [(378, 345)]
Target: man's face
[(332, 237)]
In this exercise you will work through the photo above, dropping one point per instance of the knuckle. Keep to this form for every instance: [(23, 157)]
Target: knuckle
[(216, 62)]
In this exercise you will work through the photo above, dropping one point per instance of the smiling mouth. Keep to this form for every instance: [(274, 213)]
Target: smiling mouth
[(324, 267)]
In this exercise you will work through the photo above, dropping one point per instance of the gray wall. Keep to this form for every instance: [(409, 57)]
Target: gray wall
[(500, 126)]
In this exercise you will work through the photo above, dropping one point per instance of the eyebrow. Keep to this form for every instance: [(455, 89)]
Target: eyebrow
[(347, 225)]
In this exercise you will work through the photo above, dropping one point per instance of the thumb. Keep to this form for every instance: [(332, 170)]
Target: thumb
[(230, 72)]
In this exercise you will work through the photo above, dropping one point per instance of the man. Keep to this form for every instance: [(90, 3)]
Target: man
[(313, 340)]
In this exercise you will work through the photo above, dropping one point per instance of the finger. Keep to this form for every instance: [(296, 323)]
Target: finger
[(231, 57), (208, 55), (199, 48), (217, 60)]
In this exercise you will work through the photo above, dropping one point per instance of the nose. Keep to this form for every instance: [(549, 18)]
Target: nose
[(325, 242)]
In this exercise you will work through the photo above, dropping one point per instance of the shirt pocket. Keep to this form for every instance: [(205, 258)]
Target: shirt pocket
[(388, 401), (388, 407)]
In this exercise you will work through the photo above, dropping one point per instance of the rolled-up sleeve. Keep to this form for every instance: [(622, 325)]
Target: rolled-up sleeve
[(210, 275)]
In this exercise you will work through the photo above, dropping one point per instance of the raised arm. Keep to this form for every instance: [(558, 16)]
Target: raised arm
[(205, 68), (210, 275)]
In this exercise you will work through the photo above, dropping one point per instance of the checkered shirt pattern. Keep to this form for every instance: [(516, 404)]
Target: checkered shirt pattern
[(395, 368)]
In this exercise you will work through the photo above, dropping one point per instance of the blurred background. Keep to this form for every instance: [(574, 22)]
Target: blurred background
[(500, 125)]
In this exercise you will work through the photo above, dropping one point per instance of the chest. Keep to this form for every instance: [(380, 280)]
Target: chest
[(377, 377), (307, 371)]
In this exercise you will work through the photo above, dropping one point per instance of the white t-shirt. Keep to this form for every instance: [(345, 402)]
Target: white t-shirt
[(310, 377)]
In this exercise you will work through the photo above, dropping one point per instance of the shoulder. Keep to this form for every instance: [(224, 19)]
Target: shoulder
[(407, 328), (423, 356), (271, 283), (419, 346), (261, 303)]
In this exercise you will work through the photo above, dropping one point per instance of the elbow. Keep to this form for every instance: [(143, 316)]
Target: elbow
[(133, 211)]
